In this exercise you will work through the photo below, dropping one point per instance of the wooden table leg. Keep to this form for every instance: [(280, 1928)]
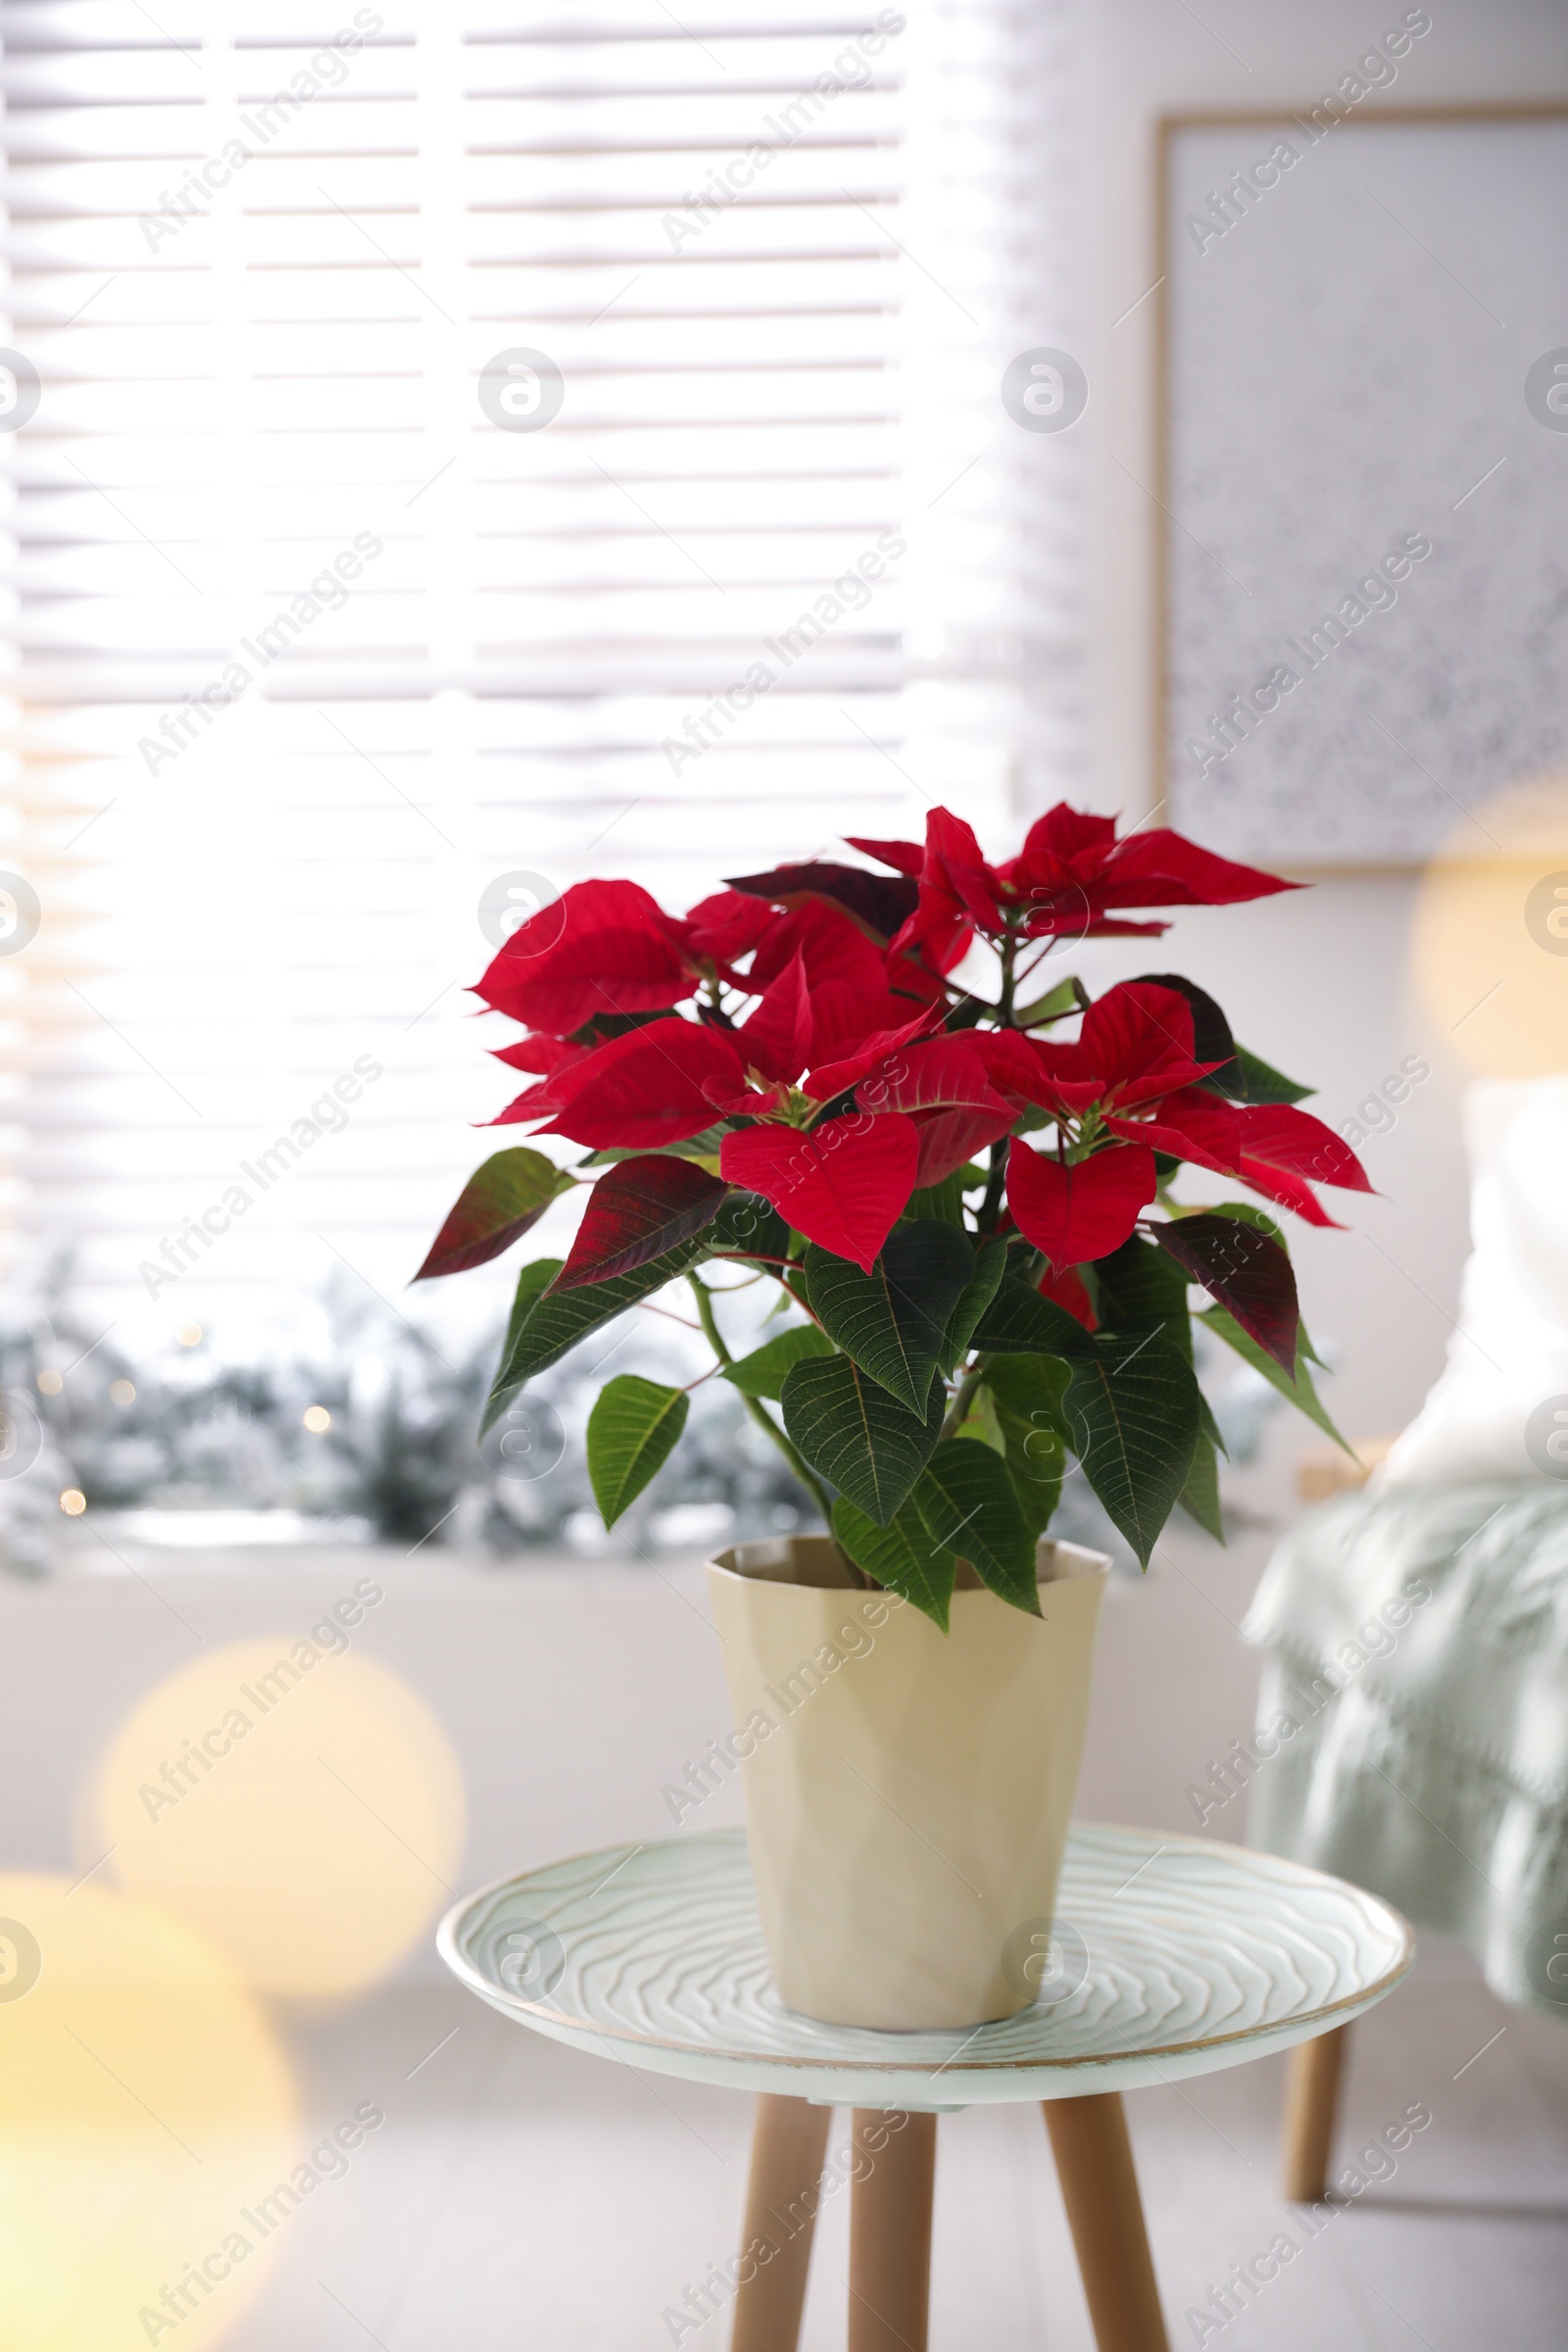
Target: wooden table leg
[(1100, 2189), (789, 2140), (890, 2230), (1311, 2110)]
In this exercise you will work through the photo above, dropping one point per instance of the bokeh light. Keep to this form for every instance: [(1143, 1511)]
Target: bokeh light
[(144, 2102), (1489, 941), (297, 1805)]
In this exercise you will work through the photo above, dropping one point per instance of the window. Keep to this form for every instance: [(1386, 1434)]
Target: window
[(323, 667)]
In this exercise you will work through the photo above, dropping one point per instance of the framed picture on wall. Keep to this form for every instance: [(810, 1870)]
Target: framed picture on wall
[(1363, 476)]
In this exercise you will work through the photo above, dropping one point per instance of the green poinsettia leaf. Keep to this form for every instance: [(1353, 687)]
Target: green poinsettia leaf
[(902, 1556), (1069, 995), (976, 1295), (747, 1226), (982, 1421), (692, 1147), (1019, 1322), (967, 1504), (1028, 1393), (1251, 1079), (763, 1373), (943, 1202), (543, 1329), (631, 1432), (893, 1321), (1300, 1390), (1037, 1466), (1200, 1497), (506, 1194), (1139, 1286), (1134, 1412), (532, 1283), (1248, 1214), (860, 1439), (1030, 1389)]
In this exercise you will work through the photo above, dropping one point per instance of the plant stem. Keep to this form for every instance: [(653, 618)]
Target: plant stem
[(753, 1406), (990, 1204), (1009, 956), (958, 1411), (704, 1309)]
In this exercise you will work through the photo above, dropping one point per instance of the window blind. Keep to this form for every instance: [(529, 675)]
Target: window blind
[(480, 445)]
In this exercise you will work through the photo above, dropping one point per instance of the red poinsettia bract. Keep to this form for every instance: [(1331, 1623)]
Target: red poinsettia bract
[(1070, 874), (802, 1025)]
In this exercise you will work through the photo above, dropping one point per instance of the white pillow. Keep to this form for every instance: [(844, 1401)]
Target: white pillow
[(1493, 1411)]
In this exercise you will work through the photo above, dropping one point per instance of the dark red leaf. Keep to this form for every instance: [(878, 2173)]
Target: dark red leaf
[(500, 1200), (877, 902), (640, 1210), (1245, 1270), (834, 947)]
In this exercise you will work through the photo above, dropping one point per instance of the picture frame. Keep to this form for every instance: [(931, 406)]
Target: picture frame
[(1297, 455)]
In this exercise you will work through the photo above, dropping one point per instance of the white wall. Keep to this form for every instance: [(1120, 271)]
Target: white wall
[(1317, 983)]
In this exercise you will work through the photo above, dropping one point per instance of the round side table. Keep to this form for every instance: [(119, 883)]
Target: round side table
[(1169, 1957)]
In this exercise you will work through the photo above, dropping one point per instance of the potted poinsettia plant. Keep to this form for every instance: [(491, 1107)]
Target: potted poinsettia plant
[(961, 1189)]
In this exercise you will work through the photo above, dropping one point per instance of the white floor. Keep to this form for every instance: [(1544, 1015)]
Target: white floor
[(520, 2194)]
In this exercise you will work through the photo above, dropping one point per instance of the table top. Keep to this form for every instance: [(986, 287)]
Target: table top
[(1172, 1956)]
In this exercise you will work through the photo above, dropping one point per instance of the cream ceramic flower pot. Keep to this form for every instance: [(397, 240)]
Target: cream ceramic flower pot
[(907, 1792)]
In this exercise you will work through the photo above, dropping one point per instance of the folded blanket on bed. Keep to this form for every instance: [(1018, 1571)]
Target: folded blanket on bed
[(1413, 1726)]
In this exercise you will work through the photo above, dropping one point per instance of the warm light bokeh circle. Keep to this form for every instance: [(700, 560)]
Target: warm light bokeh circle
[(144, 2101), (1489, 939), (305, 1817)]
